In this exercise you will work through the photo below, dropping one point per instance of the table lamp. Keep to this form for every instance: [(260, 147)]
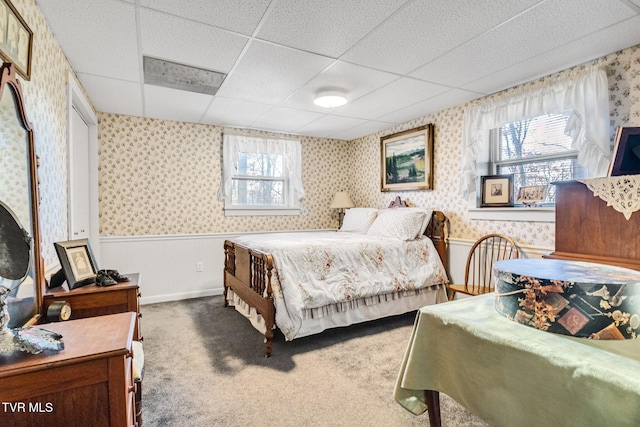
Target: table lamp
[(341, 201)]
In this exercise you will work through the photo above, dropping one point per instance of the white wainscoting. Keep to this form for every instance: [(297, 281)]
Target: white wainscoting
[(168, 264)]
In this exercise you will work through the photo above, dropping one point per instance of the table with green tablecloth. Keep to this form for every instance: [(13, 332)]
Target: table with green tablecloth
[(509, 374)]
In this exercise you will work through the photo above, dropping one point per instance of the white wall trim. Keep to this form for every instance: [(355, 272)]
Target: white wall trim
[(168, 264)]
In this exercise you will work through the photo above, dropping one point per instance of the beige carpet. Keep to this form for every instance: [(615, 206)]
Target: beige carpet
[(204, 367)]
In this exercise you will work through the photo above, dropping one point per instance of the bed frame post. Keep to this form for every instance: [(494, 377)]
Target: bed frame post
[(438, 232), (229, 266)]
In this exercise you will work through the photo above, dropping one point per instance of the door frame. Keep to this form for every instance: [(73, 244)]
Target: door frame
[(78, 101)]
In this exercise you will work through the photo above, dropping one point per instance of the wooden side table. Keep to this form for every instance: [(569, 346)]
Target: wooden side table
[(93, 300), (89, 383)]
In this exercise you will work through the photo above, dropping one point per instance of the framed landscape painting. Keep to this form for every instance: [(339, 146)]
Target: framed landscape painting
[(407, 160)]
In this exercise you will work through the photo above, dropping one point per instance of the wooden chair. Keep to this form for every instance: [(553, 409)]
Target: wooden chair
[(478, 276)]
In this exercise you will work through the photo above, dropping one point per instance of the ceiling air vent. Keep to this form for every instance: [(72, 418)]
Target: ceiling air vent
[(179, 76)]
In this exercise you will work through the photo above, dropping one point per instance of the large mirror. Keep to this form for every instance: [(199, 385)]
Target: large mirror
[(21, 273)]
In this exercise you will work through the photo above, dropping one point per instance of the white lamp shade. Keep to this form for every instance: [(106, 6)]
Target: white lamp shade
[(341, 200)]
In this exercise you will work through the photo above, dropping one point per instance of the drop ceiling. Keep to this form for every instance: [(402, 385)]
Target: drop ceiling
[(395, 59)]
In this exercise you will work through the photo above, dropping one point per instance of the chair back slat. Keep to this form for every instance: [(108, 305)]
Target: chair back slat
[(487, 250)]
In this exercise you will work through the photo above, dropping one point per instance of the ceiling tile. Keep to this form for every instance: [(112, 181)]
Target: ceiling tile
[(354, 80), (199, 45), (107, 46), (233, 112), (366, 128), (101, 91), (172, 104), (285, 119), (431, 105), (329, 125), (396, 59), (268, 73), (592, 46), (236, 15), (548, 26), (425, 30), (402, 92), (326, 27)]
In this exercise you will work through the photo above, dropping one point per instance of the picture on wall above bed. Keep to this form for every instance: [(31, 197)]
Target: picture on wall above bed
[(407, 160)]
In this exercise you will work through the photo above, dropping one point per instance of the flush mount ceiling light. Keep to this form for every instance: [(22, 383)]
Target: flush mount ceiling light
[(164, 73), (330, 99)]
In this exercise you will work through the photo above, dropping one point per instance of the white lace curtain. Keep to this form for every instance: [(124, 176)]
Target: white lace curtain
[(291, 151), (585, 95)]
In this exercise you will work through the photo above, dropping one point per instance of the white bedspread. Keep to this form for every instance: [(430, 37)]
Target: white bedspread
[(323, 268)]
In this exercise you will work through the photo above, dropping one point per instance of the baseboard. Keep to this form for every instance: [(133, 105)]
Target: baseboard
[(180, 296)]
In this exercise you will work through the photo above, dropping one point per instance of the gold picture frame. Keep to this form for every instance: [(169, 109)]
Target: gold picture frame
[(407, 160), (16, 39)]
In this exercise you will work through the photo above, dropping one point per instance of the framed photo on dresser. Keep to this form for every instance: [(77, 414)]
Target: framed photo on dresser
[(79, 265)]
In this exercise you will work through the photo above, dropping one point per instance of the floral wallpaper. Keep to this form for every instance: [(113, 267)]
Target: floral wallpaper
[(162, 177), (46, 105), (623, 70)]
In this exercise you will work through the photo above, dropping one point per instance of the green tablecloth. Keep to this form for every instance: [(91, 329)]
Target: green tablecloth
[(510, 374)]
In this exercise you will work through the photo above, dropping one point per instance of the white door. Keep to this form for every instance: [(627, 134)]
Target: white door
[(79, 215)]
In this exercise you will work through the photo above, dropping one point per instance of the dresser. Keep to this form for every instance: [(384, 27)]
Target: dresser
[(589, 230), (93, 300), (89, 383)]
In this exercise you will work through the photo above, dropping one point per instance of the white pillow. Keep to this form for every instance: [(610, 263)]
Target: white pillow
[(358, 220), (427, 219), (400, 223)]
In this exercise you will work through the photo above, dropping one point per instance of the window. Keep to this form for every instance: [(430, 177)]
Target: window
[(261, 176), (536, 151), (574, 103), (259, 180)]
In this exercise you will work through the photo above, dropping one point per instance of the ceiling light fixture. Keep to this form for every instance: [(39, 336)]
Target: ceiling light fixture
[(330, 99)]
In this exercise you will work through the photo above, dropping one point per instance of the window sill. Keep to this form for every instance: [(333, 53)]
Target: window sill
[(261, 211), (514, 214)]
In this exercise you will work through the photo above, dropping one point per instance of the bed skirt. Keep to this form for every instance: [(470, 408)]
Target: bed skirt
[(351, 312)]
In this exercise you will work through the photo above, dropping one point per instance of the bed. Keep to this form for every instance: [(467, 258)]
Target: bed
[(382, 262)]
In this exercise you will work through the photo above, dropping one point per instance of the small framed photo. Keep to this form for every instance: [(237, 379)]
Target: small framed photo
[(78, 264), (496, 191), (532, 194), (626, 153)]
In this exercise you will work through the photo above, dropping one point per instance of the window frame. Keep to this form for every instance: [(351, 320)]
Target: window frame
[(495, 140), (291, 206)]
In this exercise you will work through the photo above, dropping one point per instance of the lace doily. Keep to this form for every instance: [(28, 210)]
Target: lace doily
[(622, 193)]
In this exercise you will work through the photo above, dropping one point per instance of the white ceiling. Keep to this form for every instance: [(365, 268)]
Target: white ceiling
[(396, 59)]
